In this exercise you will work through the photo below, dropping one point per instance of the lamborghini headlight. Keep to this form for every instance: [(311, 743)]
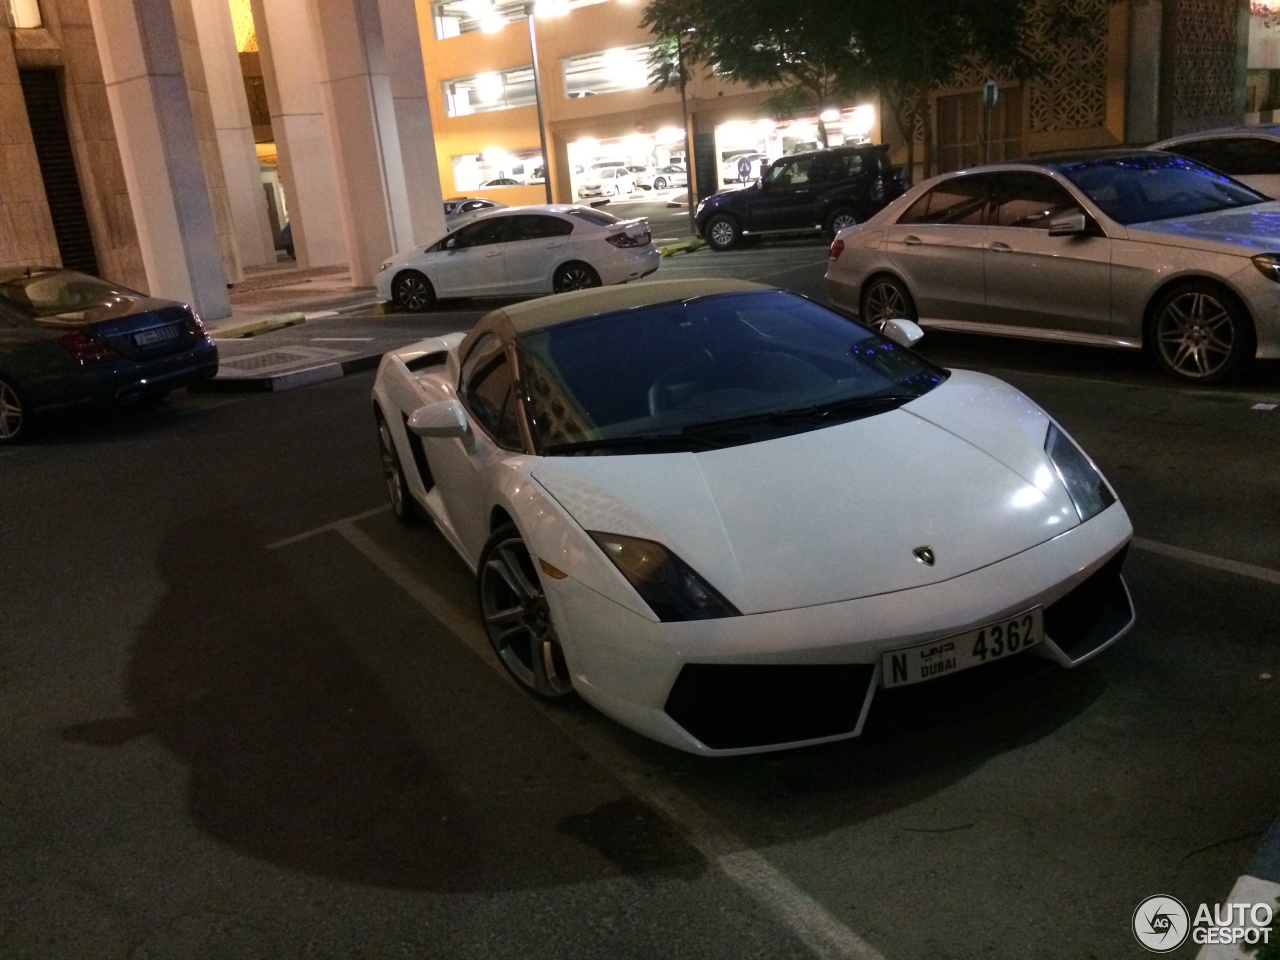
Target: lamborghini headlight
[(671, 588), (1085, 485)]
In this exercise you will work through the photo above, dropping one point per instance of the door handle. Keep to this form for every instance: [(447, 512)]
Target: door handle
[(911, 240), (997, 247)]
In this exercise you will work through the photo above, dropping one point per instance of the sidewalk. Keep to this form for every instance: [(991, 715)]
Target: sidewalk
[(274, 298)]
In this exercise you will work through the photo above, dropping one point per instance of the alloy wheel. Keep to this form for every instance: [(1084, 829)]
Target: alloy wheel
[(413, 292), (518, 619), (1197, 335), (885, 300), (12, 413)]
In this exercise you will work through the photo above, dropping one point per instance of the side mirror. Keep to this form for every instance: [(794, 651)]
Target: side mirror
[(1068, 225), (445, 418), (904, 333)]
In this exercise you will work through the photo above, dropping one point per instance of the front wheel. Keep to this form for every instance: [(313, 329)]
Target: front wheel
[(15, 415), (574, 276), (413, 291), (1201, 333), (517, 617), (393, 476), (722, 232), (660, 184), (885, 298)]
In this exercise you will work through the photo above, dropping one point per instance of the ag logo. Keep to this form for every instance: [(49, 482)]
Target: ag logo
[(1160, 923)]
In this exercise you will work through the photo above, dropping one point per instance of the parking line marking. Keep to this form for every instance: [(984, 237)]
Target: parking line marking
[(822, 933), (1207, 560), (308, 534)]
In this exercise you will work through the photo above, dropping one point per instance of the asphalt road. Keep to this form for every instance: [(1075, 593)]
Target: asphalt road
[(244, 713)]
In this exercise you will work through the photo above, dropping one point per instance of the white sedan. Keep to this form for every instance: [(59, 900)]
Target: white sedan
[(1115, 249), (546, 248), (729, 518), (663, 177)]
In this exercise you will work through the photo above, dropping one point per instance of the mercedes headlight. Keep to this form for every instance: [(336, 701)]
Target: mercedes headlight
[(1085, 485), (671, 588), (1268, 265)]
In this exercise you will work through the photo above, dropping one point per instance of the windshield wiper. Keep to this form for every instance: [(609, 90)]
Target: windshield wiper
[(818, 413), (681, 441)]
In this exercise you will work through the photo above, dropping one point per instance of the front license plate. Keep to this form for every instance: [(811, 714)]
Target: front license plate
[(156, 335), (937, 658)]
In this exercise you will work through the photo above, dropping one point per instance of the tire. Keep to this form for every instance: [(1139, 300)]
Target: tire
[(413, 292), (660, 183), (574, 276), (393, 476), (16, 424), (517, 617), (839, 219), (885, 298), (1200, 333), (722, 232)]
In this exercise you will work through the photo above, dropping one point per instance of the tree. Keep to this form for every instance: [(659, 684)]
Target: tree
[(819, 52)]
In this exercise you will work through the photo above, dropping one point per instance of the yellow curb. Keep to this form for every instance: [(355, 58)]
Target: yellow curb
[(382, 308), (252, 328), (687, 247)]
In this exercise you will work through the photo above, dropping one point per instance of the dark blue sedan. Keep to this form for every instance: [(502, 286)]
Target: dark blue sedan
[(69, 340)]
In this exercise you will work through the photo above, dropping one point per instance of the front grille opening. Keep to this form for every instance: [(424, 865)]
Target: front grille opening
[(753, 705), (1093, 613)]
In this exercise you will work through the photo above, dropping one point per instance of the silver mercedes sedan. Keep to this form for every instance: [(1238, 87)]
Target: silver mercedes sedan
[(1138, 249)]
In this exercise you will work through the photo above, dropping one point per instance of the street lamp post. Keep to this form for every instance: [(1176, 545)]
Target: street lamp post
[(537, 96), (684, 111)]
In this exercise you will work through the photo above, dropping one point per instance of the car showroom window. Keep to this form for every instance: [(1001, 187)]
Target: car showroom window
[(1030, 200), (487, 390), (537, 227), (960, 200)]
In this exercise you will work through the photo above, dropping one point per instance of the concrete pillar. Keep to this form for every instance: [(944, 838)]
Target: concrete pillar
[(290, 69), (413, 119), (141, 50), (234, 130), (355, 78)]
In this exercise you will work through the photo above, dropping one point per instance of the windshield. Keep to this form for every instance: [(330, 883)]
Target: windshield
[(61, 292), (1142, 188), (714, 371)]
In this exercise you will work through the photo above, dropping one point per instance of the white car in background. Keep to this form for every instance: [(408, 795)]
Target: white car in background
[(544, 248), (458, 210), (611, 181), (1250, 154), (664, 177), (729, 517)]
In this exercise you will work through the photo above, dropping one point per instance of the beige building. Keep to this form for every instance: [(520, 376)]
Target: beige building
[(162, 143)]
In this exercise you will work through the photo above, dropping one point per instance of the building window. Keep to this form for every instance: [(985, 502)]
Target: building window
[(496, 168), (454, 17), (500, 90), (24, 14), (622, 68)]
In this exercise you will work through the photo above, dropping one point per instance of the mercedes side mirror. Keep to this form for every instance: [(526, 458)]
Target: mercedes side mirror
[(1068, 225)]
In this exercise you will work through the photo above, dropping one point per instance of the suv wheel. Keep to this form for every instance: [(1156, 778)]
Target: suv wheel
[(722, 232), (839, 219)]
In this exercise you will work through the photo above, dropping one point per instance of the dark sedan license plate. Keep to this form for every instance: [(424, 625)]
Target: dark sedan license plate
[(937, 658), (156, 335)]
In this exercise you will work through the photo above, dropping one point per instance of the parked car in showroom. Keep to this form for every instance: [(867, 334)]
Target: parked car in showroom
[(822, 190), (730, 518), (1125, 248), (743, 167), (458, 210), (663, 177), (543, 248), (69, 341), (1250, 154), (609, 181)]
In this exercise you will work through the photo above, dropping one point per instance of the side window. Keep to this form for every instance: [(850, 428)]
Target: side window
[(960, 200), (488, 391), (790, 173), (537, 227), (1030, 200), (1234, 156), (481, 232)]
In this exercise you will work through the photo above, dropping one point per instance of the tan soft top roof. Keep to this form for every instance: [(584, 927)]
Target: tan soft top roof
[(562, 307)]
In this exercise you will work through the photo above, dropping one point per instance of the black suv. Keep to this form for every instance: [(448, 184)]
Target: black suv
[(804, 192)]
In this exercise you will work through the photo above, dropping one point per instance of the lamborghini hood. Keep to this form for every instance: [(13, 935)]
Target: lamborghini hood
[(838, 513)]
